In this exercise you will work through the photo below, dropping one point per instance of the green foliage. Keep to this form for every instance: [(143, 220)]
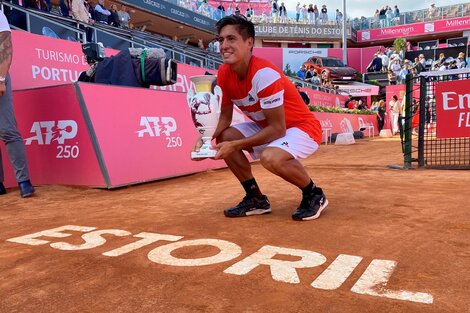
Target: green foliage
[(288, 71), (314, 108), (399, 44)]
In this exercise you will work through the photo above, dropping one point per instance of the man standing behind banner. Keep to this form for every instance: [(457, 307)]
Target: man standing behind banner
[(283, 130), (8, 129)]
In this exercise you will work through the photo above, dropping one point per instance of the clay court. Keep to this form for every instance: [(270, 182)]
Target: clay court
[(417, 218)]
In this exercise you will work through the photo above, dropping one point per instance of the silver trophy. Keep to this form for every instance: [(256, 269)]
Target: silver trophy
[(205, 111)]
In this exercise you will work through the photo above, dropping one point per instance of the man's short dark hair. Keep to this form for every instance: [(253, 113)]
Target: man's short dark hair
[(244, 26)]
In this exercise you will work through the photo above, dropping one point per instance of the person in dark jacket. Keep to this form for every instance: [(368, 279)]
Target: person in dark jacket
[(303, 94)]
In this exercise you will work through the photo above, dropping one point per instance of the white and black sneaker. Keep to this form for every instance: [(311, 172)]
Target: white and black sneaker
[(250, 205), (311, 206)]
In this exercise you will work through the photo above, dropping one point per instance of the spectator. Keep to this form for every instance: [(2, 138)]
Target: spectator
[(283, 13), (8, 130), (304, 14), (389, 16), (382, 16), (217, 46), (324, 15), (395, 67), (395, 110), (220, 10), (249, 12), (210, 46), (339, 17), (124, 17), (101, 13), (303, 94), (418, 64), (301, 72), (297, 12), (361, 105), (316, 14), (310, 12), (381, 112), (461, 63), (275, 11), (375, 65), (403, 72), (346, 104), (396, 15), (377, 18), (200, 44), (114, 17), (392, 78), (433, 12), (237, 10), (442, 59), (385, 61), (422, 60), (81, 13), (65, 7)]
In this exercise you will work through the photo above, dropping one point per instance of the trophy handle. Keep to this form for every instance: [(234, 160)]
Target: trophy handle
[(218, 94), (189, 96)]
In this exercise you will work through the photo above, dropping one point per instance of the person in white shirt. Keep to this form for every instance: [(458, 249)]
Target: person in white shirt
[(395, 110), (217, 46), (9, 133), (297, 12)]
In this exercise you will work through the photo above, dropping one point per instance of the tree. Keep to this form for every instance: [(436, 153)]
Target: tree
[(399, 45)]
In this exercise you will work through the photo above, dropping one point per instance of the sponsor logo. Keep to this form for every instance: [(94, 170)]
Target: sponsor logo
[(365, 36), (429, 27), (155, 126), (47, 132), (250, 98), (285, 143), (56, 132)]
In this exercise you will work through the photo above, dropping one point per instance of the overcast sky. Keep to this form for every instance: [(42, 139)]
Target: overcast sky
[(358, 8)]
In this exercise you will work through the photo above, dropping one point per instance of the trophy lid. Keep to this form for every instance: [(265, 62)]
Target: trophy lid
[(203, 83)]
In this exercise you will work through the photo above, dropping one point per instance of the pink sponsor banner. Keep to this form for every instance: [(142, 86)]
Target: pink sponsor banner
[(40, 61), (323, 99), (432, 27), (346, 123), (58, 147), (274, 55), (146, 136), (453, 109)]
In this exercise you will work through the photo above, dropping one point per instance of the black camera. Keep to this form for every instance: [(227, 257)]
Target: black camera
[(94, 52), (135, 67)]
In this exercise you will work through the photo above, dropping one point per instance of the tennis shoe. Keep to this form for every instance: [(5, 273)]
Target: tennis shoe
[(311, 206), (250, 205)]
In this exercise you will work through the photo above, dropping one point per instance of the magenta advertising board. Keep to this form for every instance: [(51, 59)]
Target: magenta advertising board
[(141, 134), (431, 27), (58, 147)]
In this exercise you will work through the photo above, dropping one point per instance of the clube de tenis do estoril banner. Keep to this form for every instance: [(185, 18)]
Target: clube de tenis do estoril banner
[(453, 109)]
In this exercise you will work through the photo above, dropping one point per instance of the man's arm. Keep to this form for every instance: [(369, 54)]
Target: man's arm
[(6, 52), (225, 119)]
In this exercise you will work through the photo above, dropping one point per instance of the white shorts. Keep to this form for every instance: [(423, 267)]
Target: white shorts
[(297, 142)]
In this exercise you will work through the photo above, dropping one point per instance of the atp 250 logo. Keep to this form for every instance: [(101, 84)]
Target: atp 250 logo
[(56, 133), (155, 126)]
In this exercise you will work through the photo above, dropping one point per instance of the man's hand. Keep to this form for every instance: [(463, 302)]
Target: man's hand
[(225, 149), (196, 148), (2, 89)]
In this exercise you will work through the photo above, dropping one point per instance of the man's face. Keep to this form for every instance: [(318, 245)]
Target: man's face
[(233, 48)]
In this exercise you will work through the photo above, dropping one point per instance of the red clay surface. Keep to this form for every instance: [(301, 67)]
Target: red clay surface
[(418, 218)]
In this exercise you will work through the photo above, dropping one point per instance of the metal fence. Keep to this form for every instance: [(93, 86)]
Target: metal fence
[(425, 141)]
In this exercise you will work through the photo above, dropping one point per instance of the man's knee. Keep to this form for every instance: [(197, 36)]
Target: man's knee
[(272, 158), (229, 134)]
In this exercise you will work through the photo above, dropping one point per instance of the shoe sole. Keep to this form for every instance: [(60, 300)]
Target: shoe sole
[(26, 195), (249, 213), (313, 217)]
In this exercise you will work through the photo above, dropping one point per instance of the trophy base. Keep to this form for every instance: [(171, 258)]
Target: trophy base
[(204, 153)]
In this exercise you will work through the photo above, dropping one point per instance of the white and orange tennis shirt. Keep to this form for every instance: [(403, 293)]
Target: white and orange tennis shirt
[(266, 87)]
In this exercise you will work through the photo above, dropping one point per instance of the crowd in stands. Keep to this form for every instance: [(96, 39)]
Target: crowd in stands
[(317, 81), (397, 67)]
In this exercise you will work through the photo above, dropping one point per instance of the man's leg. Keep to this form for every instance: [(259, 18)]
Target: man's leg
[(12, 138), (254, 202)]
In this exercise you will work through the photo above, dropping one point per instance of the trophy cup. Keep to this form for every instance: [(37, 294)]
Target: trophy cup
[(205, 111)]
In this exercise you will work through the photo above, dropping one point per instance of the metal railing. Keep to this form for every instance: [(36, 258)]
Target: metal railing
[(113, 37), (411, 17)]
